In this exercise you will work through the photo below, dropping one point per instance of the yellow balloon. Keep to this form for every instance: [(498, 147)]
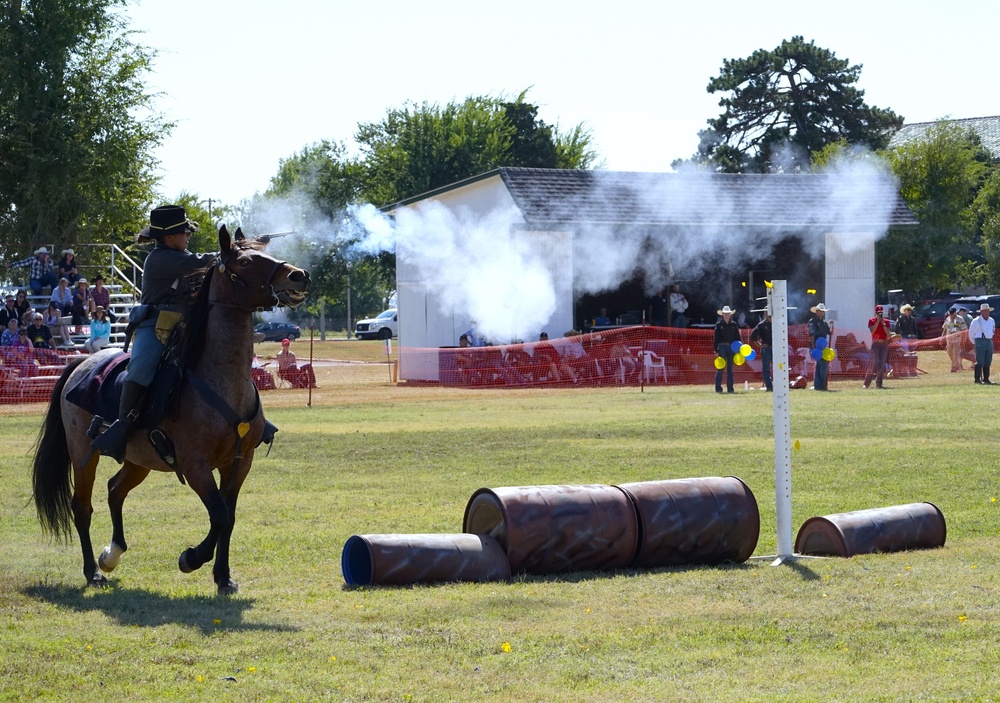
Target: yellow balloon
[(745, 350), (829, 354), (720, 363), (738, 359)]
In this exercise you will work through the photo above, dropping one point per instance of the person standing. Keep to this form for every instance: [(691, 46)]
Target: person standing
[(954, 323), (726, 332), (659, 304), (762, 334), (171, 277), (981, 333), (879, 328), (906, 326), (678, 306), (819, 328)]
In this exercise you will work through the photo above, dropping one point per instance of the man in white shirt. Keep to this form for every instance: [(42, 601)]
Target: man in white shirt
[(981, 333)]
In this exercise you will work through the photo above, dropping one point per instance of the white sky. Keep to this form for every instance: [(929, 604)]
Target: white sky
[(250, 82)]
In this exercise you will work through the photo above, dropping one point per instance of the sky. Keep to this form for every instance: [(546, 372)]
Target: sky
[(250, 82)]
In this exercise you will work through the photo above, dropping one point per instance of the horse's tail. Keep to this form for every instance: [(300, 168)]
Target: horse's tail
[(53, 491)]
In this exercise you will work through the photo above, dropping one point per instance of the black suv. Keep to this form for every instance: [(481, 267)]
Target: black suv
[(972, 303)]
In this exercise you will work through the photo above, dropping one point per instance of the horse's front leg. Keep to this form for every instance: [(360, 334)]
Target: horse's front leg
[(127, 478), (220, 518), (83, 509), (231, 482)]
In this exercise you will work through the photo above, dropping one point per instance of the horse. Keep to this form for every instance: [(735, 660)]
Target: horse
[(216, 424)]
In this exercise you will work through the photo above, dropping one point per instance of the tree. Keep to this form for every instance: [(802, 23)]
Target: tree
[(421, 147), (76, 162), (782, 105), (940, 176)]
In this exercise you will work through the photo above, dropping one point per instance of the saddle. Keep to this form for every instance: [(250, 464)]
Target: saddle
[(99, 391)]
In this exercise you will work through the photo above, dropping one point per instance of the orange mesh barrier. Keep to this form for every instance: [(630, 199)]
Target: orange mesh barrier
[(646, 355)]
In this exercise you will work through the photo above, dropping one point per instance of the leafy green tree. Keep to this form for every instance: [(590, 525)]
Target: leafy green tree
[(418, 148), (940, 176), (986, 216), (76, 162), (784, 104)]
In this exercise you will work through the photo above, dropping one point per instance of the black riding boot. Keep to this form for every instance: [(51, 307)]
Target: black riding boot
[(986, 376), (112, 442), (978, 370)]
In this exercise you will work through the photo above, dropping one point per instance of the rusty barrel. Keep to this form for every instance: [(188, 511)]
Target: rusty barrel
[(694, 521), (892, 529), (396, 560), (553, 529)]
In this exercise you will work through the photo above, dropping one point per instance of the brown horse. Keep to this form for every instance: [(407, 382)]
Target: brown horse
[(206, 436)]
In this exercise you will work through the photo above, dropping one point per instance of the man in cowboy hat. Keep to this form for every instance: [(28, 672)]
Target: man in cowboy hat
[(42, 273), (981, 333), (819, 328), (881, 334), (906, 325), (171, 276), (726, 332)]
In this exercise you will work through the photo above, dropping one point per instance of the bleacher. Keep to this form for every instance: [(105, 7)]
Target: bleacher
[(19, 384)]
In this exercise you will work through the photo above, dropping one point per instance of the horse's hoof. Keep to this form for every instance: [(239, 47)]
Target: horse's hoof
[(97, 581), (229, 589), (182, 562), (110, 557)]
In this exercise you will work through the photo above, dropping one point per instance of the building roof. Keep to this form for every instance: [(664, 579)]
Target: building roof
[(549, 197), (988, 129)]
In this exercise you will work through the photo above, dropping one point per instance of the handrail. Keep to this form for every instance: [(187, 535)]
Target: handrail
[(133, 281)]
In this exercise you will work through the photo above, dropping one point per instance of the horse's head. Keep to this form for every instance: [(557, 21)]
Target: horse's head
[(257, 280)]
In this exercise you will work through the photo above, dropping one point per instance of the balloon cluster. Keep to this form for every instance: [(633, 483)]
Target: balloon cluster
[(742, 353), (823, 351)]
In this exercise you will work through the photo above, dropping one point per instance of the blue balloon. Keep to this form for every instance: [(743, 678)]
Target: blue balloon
[(822, 342), (735, 346), (816, 354), (752, 355)]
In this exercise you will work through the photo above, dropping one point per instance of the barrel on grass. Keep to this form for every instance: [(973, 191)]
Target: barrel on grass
[(396, 560), (553, 529), (892, 529), (694, 521)]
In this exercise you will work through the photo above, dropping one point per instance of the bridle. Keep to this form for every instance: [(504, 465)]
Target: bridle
[(234, 278)]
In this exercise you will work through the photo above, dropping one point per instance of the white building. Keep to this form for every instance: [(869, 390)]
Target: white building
[(614, 239)]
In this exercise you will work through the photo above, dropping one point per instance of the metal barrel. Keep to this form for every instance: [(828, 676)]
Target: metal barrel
[(892, 529), (397, 560), (694, 521), (553, 529)]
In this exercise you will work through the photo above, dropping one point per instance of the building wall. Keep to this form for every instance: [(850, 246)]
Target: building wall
[(850, 280)]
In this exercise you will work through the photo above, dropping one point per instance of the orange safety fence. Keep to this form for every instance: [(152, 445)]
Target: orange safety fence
[(646, 355), (624, 357)]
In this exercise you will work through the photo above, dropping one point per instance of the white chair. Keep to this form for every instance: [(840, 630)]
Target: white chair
[(653, 365)]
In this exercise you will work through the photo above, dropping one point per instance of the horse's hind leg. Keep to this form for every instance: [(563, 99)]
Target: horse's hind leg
[(83, 509), (119, 485)]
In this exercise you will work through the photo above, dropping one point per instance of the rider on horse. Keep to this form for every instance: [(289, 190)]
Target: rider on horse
[(171, 276)]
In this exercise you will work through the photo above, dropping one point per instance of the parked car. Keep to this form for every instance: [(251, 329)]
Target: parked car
[(972, 303), (385, 326), (930, 316), (276, 331)]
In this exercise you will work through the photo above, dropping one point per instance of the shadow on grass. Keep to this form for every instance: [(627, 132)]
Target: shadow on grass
[(146, 609)]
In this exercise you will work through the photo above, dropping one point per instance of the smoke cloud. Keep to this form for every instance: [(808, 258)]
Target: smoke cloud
[(484, 267)]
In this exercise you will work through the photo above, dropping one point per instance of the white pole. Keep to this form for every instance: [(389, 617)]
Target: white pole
[(777, 303)]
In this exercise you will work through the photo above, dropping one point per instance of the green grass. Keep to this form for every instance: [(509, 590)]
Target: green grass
[(920, 625)]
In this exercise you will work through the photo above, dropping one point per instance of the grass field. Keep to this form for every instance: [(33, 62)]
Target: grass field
[(370, 457)]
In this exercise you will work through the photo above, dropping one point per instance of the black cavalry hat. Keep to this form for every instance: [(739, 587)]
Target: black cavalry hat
[(168, 219)]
